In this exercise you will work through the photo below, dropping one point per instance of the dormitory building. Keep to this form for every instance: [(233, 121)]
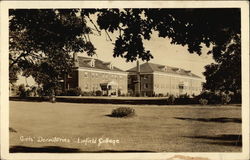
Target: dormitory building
[(147, 79)]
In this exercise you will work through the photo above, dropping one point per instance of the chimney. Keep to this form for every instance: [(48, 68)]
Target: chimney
[(138, 78), (138, 67), (75, 59)]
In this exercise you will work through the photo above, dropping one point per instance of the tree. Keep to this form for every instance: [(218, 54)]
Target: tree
[(190, 27), (41, 41), (225, 74)]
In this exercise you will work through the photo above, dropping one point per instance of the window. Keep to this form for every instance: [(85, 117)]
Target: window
[(86, 74), (145, 85), (86, 86), (145, 76), (181, 87), (92, 63)]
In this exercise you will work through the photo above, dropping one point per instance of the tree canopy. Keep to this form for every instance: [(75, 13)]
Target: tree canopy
[(41, 40)]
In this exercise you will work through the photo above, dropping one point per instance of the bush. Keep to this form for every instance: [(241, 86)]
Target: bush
[(184, 96), (203, 101), (236, 97), (123, 112), (225, 98), (74, 92), (119, 92), (215, 97), (160, 95), (98, 93), (23, 92), (91, 93), (59, 92), (171, 99)]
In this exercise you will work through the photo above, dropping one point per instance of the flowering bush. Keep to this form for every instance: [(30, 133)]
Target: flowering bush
[(123, 112)]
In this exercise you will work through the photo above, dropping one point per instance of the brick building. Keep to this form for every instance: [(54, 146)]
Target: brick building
[(93, 75), (150, 79)]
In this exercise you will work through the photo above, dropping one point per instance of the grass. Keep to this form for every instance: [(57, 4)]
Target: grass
[(153, 129)]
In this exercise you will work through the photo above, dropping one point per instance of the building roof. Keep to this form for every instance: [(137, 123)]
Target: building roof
[(98, 64), (151, 67)]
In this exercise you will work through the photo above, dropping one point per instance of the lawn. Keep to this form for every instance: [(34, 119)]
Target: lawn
[(74, 127)]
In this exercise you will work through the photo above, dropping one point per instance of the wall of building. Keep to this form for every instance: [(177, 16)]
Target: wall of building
[(90, 80), (176, 85), (146, 84), (164, 84)]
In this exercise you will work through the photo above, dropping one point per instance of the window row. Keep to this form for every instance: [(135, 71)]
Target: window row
[(101, 75), (175, 86)]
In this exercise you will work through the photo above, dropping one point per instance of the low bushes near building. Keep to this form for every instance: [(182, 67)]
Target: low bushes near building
[(184, 99), (225, 98), (236, 97), (216, 97), (203, 101), (123, 112), (171, 99), (23, 91), (98, 93), (73, 92), (91, 93)]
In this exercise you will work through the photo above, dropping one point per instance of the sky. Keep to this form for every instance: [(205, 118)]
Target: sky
[(163, 51)]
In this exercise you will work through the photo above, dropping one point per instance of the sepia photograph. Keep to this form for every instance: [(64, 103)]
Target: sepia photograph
[(113, 79)]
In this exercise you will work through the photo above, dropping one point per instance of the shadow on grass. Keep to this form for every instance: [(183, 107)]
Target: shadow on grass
[(112, 116), (224, 139), (220, 120), (12, 130), (57, 149), (27, 99)]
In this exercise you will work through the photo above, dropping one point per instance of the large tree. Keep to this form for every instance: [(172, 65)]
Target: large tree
[(225, 74), (41, 41), (52, 33)]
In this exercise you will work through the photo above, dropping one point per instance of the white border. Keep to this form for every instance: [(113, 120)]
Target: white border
[(5, 5)]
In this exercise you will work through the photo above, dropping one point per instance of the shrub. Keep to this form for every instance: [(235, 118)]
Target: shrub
[(98, 93), (183, 99), (59, 92), (160, 95), (119, 92), (171, 99), (40, 92), (184, 96), (123, 112), (91, 93), (216, 97), (23, 92), (74, 92), (225, 98), (236, 97), (203, 101)]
